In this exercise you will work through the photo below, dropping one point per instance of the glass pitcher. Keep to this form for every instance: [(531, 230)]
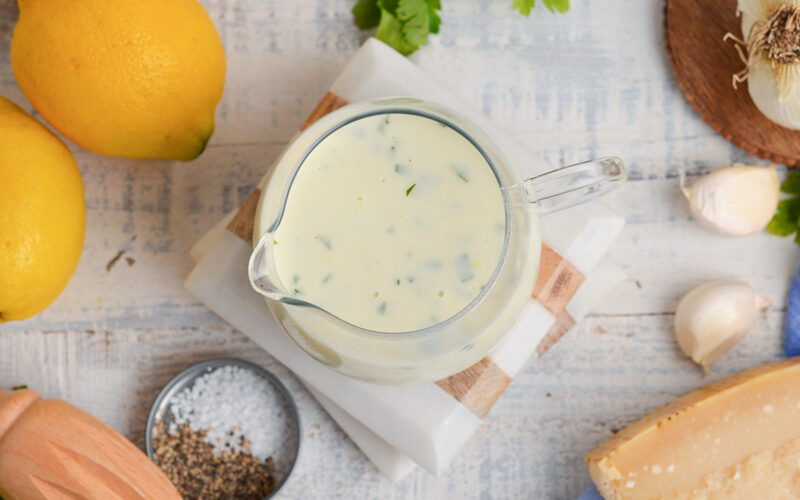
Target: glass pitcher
[(449, 346)]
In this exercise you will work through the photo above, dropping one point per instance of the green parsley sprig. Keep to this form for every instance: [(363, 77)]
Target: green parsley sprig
[(525, 6), (406, 24), (786, 220)]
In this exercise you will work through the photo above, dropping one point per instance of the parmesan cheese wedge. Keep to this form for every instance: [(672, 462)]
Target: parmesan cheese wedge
[(736, 438)]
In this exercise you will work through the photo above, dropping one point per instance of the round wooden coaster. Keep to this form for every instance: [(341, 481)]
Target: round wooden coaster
[(704, 65)]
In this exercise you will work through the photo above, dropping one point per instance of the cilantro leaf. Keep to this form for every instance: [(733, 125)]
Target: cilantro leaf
[(433, 7), (524, 6), (19, 387), (405, 24), (783, 223), (415, 17), (557, 5), (792, 183), (390, 32), (786, 218), (366, 13)]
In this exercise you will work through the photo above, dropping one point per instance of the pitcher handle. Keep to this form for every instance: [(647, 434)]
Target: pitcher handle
[(575, 184)]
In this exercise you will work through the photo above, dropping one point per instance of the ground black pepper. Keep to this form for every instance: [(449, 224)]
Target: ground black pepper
[(198, 473)]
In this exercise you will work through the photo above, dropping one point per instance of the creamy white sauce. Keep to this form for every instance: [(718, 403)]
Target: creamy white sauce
[(393, 223)]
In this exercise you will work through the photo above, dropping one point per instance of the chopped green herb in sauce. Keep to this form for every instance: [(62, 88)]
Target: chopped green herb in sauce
[(382, 308), (398, 282), (463, 268), (274, 242), (460, 173), (325, 241), (297, 291), (408, 191), (386, 120)]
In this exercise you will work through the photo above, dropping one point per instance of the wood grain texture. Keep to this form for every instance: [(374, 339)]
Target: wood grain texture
[(557, 282), (329, 102), (242, 223), (704, 65), (478, 387), (595, 81)]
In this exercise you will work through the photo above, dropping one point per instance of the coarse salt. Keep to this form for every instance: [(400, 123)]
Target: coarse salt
[(237, 408)]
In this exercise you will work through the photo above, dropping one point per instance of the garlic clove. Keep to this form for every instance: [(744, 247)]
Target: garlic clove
[(714, 317), (736, 200)]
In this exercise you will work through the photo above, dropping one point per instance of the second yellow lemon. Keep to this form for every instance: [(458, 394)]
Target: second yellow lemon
[(42, 214), (139, 79)]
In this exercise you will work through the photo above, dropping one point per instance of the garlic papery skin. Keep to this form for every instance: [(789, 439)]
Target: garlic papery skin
[(771, 30), (714, 317), (777, 101), (736, 200)]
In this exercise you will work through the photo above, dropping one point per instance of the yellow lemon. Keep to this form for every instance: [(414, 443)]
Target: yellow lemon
[(42, 214), (134, 78)]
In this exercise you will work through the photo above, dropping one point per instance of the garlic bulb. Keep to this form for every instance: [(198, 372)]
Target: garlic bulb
[(771, 30), (734, 200), (713, 317)]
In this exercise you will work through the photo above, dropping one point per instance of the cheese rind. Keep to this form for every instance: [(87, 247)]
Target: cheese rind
[(736, 438)]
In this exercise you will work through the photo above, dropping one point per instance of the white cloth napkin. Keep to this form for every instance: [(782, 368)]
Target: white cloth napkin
[(398, 427)]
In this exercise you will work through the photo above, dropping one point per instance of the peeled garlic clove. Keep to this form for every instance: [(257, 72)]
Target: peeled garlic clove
[(734, 200), (715, 316)]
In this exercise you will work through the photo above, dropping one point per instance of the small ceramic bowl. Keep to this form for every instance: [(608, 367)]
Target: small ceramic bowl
[(285, 418)]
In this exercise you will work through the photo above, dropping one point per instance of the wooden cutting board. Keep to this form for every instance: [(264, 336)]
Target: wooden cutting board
[(704, 65)]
